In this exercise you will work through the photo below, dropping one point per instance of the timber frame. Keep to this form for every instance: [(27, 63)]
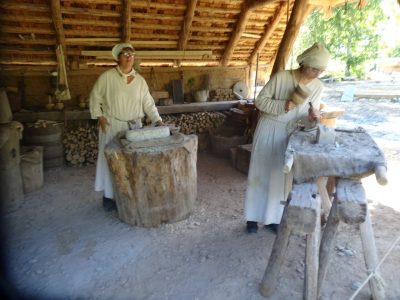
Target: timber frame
[(166, 33)]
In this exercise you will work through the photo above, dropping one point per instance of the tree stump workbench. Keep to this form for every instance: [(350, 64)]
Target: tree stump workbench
[(155, 181)]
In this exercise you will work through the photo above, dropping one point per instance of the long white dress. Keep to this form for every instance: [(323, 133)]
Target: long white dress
[(267, 185), (118, 102)]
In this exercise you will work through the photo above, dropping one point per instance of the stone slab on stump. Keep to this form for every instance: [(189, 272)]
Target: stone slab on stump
[(155, 181)]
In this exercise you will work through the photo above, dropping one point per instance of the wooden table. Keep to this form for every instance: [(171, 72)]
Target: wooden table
[(354, 155)]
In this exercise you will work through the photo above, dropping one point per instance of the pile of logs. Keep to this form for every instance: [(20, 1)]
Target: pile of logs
[(194, 123), (80, 145), (222, 95)]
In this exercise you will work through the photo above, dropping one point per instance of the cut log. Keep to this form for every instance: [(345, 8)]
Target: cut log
[(157, 183)]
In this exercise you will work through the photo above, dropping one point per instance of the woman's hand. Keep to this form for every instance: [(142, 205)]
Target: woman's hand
[(313, 113), (103, 123), (289, 105), (159, 123)]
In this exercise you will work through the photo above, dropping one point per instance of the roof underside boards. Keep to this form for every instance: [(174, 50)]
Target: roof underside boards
[(164, 32)]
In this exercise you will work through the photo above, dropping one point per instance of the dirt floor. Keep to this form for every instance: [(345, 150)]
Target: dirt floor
[(61, 244)]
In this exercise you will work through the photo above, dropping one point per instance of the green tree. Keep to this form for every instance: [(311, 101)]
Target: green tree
[(350, 34), (395, 52)]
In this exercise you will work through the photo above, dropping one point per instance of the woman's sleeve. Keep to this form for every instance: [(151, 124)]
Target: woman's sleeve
[(149, 107), (266, 101), (96, 99)]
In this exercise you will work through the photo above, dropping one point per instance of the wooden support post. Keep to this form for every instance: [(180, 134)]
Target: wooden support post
[(352, 203), (371, 258), (300, 11), (275, 262), (303, 208), (126, 21), (312, 257), (323, 193), (327, 241)]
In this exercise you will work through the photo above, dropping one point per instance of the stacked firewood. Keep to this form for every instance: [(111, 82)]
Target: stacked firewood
[(222, 95), (194, 123), (80, 145)]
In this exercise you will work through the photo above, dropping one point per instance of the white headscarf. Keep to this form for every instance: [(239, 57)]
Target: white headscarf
[(118, 48), (315, 57)]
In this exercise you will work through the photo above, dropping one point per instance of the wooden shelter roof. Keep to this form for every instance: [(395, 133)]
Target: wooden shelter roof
[(163, 32)]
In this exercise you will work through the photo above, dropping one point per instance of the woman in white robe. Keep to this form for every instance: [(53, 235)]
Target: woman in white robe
[(118, 96), (268, 187)]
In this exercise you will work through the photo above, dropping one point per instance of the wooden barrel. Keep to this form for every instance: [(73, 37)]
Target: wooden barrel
[(225, 138), (11, 192), (50, 138)]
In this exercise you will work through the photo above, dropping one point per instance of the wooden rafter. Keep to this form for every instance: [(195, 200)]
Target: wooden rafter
[(57, 21), (126, 21), (301, 9), (187, 24), (247, 8), (268, 33)]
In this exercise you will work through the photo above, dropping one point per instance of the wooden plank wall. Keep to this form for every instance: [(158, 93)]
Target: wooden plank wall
[(37, 84)]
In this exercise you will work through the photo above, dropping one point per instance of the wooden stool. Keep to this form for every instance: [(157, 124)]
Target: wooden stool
[(302, 214)]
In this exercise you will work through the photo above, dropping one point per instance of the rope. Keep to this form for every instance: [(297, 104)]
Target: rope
[(373, 273)]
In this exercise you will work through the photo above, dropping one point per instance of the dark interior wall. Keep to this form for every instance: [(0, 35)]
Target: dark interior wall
[(32, 88)]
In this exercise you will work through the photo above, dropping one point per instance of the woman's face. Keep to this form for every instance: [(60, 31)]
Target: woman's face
[(126, 58), (311, 73)]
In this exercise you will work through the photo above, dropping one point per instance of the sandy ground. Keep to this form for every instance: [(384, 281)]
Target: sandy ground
[(61, 244)]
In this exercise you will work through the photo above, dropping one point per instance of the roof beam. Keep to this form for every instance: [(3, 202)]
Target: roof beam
[(57, 21), (268, 33), (126, 21), (164, 54), (187, 24), (247, 8), (300, 11)]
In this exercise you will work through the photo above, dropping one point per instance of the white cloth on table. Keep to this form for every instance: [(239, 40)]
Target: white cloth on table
[(118, 102), (267, 185)]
